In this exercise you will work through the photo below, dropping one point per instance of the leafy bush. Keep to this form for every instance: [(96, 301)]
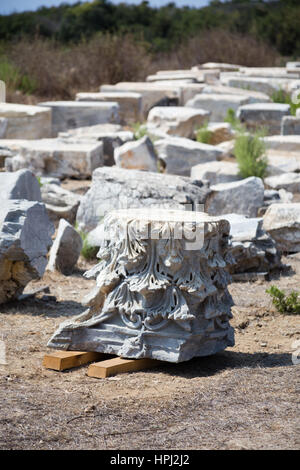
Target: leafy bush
[(139, 130), (249, 151), (285, 303), (204, 135)]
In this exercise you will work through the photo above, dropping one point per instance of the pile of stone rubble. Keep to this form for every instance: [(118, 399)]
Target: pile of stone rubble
[(157, 164)]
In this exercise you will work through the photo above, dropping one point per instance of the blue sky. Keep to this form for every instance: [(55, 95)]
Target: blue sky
[(9, 6)]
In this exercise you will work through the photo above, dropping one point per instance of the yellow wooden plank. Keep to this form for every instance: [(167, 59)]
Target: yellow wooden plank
[(62, 360), (119, 365)]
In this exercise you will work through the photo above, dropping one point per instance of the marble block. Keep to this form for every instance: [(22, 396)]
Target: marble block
[(71, 114), (161, 288)]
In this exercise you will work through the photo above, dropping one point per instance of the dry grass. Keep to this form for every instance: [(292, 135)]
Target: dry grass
[(244, 398), (59, 72)]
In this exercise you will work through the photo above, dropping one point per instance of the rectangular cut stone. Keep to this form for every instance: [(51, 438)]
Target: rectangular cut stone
[(54, 157), (153, 94), (71, 114), (161, 290), (130, 104), (263, 115), (24, 121), (217, 104)]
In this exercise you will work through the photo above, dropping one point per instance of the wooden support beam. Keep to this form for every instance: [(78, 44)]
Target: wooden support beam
[(62, 360), (118, 365)]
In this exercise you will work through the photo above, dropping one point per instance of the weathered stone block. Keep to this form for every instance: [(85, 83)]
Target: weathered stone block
[(117, 188), (25, 237), (290, 125), (71, 114), (217, 104), (54, 157), (180, 154), (60, 203), (65, 250), (139, 155), (24, 122), (243, 197), (177, 120), (153, 94), (282, 222), (216, 172), (130, 104), (21, 184), (263, 115)]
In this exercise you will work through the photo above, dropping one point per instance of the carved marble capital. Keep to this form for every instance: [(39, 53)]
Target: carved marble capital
[(161, 288)]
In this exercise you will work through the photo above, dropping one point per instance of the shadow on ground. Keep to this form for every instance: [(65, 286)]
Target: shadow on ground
[(45, 308), (208, 366)]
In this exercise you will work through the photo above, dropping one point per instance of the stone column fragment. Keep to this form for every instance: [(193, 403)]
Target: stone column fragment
[(161, 289)]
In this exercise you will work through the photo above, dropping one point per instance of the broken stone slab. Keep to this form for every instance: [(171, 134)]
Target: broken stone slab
[(181, 121), (243, 197), (65, 250), (263, 115), (71, 114), (60, 203), (217, 104), (117, 188), (152, 94), (153, 300), (130, 104), (273, 196), (21, 184), (220, 132), (216, 172), (287, 181), (290, 125), (180, 154), (282, 222), (139, 155), (223, 67), (25, 237), (252, 249), (53, 157), (23, 121), (282, 162), (252, 96), (263, 85), (283, 143)]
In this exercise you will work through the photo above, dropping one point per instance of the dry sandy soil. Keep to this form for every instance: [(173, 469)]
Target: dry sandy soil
[(244, 398)]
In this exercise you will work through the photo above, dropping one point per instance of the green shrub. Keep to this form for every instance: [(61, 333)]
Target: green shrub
[(139, 130), (203, 135), (88, 251), (249, 151), (285, 303), (281, 96)]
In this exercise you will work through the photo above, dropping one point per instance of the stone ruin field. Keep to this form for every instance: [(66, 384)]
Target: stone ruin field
[(63, 165)]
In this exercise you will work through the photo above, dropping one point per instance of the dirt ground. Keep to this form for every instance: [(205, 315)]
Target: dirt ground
[(244, 398)]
